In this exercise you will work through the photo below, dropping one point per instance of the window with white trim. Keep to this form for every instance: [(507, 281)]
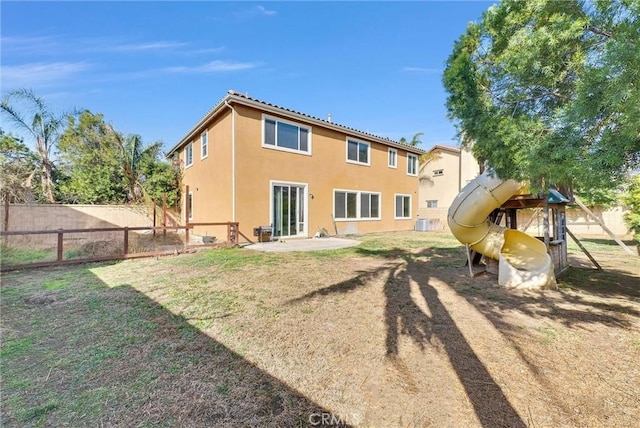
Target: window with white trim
[(204, 145), (354, 205), (393, 158), (438, 172), (432, 204), (412, 164), (358, 152), (403, 206), (188, 155), (287, 136)]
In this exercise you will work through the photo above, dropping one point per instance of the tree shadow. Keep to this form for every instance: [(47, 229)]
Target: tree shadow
[(116, 357), (403, 317)]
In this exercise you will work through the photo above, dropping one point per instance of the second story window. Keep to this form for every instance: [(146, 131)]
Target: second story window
[(393, 158), (286, 136), (437, 172), (412, 164), (204, 148), (188, 155), (358, 152), (432, 204)]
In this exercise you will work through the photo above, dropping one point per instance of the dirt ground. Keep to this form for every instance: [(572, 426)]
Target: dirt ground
[(393, 333)]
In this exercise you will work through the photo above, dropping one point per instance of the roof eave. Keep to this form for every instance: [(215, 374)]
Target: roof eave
[(233, 98)]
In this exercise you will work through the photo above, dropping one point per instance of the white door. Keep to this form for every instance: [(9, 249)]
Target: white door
[(288, 210)]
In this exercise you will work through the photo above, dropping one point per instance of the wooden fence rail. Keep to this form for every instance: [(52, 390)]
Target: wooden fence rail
[(232, 236)]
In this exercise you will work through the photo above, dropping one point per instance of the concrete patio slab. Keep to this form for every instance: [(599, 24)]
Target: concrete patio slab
[(303, 245)]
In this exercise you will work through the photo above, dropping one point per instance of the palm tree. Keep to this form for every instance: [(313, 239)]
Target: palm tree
[(134, 155), (44, 126), (415, 141)]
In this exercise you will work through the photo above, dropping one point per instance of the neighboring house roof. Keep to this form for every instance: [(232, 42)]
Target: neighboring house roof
[(233, 97), (444, 148)]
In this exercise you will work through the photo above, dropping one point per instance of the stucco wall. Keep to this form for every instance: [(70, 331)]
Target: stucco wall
[(257, 168)]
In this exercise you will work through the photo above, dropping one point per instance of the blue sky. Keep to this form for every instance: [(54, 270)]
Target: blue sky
[(155, 68)]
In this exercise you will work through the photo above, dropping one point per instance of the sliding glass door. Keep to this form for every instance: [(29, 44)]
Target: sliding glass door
[(288, 210)]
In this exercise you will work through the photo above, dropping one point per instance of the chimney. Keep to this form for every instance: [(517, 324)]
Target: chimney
[(329, 118)]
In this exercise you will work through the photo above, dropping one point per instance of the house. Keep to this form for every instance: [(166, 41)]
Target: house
[(441, 177), (259, 164)]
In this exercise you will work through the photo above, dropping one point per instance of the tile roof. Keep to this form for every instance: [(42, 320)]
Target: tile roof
[(245, 99)]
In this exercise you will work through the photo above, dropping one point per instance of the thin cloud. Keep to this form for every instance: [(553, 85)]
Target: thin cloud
[(40, 74), (264, 11), (28, 45), (253, 12), (148, 46), (218, 66), (423, 70)]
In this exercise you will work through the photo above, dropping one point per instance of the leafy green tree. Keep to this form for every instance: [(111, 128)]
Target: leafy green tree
[(91, 160), (32, 115), (549, 91), (18, 167), (103, 166), (632, 200)]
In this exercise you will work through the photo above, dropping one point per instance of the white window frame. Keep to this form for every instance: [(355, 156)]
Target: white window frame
[(411, 156), (438, 172), (189, 204), (356, 162), (308, 152), (395, 206), (204, 145), (188, 148), (429, 202), (395, 158), (358, 216)]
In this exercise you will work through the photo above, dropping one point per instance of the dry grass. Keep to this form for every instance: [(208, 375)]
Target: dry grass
[(390, 333)]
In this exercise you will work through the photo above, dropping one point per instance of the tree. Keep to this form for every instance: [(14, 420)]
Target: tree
[(91, 161), (18, 166), (42, 125), (103, 166), (136, 160), (549, 91), (415, 140)]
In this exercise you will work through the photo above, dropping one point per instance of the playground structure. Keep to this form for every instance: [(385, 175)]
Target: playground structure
[(523, 260)]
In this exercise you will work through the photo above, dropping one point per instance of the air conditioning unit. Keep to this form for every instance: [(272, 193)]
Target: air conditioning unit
[(423, 225)]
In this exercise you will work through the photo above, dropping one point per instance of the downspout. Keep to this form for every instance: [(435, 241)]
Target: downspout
[(233, 160)]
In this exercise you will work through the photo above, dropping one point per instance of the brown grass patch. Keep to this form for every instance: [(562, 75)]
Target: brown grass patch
[(390, 333)]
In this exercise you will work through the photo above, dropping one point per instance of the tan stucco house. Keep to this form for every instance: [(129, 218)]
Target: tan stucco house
[(446, 171), (259, 164)]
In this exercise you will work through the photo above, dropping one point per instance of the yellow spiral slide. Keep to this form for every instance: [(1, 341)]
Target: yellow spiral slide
[(523, 261)]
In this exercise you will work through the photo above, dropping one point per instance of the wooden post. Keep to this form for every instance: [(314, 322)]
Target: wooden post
[(545, 221), (164, 214), (186, 217), (126, 241), (60, 244), (605, 228), (154, 217), (584, 250), (6, 217), (469, 260)]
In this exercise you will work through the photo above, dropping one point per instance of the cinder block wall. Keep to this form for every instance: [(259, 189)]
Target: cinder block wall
[(577, 220), (53, 217)]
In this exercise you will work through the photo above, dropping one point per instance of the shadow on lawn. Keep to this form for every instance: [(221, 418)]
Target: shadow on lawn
[(404, 317), (115, 357)]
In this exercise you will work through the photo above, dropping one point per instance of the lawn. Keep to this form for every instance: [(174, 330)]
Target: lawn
[(390, 333)]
